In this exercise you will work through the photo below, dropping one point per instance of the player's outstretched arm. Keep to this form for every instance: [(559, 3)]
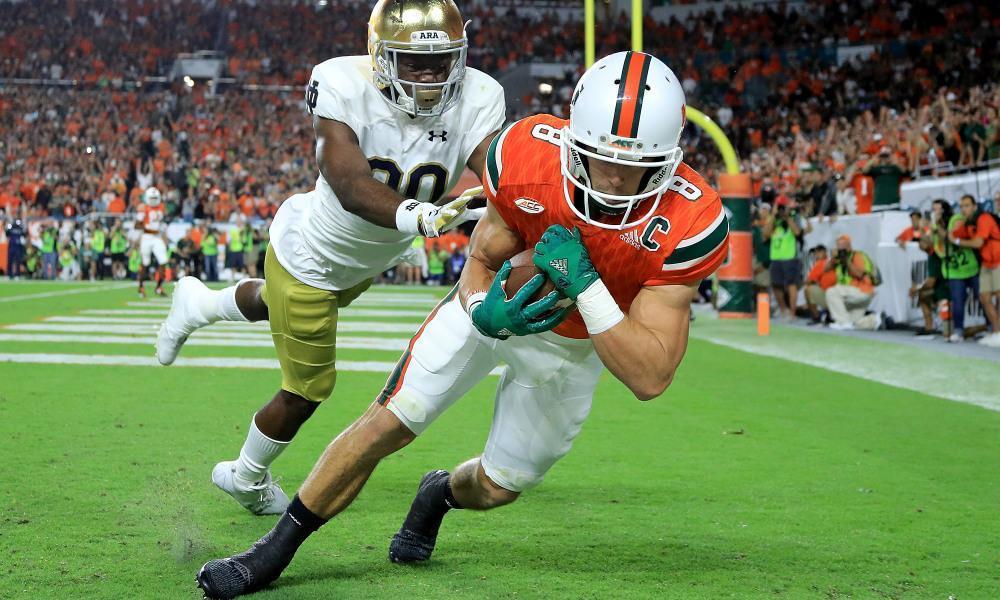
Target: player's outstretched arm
[(645, 348), (346, 169), (344, 166)]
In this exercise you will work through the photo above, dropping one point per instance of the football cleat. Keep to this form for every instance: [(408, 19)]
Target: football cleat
[(183, 319), (263, 498), (245, 573), (410, 545)]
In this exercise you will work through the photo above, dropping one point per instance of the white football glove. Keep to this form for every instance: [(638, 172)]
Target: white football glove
[(429, 220)]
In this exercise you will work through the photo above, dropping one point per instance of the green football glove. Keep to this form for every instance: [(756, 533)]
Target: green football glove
[(497, 317), (563, 257)]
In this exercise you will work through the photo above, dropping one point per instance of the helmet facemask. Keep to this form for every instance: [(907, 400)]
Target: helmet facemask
[(419, 99), (575, 158)]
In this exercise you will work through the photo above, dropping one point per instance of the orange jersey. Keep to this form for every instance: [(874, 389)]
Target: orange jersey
[(864, 192), (151, 217), (683, 242)]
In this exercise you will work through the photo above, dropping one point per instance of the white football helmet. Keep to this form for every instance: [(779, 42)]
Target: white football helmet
[(628, 109), (151, 197)]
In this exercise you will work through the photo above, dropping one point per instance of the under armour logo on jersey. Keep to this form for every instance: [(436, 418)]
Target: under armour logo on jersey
[(561, 265), (443, 135), (632, 239)]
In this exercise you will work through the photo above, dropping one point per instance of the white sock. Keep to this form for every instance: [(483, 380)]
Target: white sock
[(257, 454), (220, 305)]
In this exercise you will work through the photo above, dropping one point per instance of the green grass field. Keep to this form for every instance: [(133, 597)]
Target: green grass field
[(753, 477)]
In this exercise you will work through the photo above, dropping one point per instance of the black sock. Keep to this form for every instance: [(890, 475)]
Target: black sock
[(430, 506), (304, 518), (297, 524)]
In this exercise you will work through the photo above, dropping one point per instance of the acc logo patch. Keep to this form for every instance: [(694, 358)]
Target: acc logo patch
[(529, 206)]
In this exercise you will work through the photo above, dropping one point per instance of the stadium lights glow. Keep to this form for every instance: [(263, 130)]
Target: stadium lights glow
[(323, 2), (545, 88), (90, 149), (188, 81)]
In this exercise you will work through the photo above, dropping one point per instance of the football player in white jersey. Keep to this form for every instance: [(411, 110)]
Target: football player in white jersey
[(394, 131), (151, 244)]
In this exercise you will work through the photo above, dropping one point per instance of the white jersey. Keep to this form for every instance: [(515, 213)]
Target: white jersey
[(325, 246)]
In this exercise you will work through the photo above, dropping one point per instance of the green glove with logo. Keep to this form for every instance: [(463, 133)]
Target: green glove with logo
[(497, 317), (561, 255)]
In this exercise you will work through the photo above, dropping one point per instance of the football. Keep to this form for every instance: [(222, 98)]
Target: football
[(522, 270)]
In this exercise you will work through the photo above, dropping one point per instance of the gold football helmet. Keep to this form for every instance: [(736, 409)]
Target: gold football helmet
[(422, 27)]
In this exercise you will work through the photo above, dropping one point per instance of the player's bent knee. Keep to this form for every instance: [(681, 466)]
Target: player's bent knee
[(503, 486)]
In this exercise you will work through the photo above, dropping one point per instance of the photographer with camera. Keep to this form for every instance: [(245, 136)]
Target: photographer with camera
[(959, 266), (783, 229), (818, 281), (857, 277), (978, 231)]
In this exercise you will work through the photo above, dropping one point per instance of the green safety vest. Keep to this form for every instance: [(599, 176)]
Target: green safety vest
[(31, 262), (844, 275), (235, 240), (134, 261), (958, 262), (210, 245), (246, 237), (66, 258), (435, 265), (782, 244), (97, 241), (48, 241), (119, 243)]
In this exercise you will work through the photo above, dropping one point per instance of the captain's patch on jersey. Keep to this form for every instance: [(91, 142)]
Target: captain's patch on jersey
[(529, 206)]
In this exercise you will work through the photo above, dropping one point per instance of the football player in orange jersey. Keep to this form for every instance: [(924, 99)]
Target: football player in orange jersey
[(624, 229), (150, 218)]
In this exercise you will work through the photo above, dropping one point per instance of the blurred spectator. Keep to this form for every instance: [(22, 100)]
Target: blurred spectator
[(959, 266), (210, 252), (119, 248), (848, 300), (932, 291), (917, 230), (69, 267), (977, 230), (886, 175), (50, 237), (784, 229), (15, 248), (818, 281)]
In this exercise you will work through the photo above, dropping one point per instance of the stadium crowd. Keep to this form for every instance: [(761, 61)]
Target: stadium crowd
[(820, 135)]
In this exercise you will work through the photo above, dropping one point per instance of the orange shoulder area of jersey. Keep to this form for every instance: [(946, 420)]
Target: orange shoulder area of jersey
[(524, 153), (704, 239)]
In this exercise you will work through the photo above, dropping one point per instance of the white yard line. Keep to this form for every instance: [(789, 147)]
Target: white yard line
[(38, 295), (347, 312), (144, 361), (407, 329), (113, 324), (343, 343)]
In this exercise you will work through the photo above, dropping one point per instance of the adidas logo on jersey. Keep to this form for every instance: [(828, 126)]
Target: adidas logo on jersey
[(561, 265), (632, 239)]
